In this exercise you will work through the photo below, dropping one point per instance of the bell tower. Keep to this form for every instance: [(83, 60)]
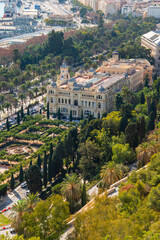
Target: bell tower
[(64, 74)]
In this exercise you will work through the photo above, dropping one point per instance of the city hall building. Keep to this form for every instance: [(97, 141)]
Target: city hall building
[(93, 92)]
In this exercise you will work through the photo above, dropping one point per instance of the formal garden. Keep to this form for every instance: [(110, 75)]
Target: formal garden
[(24, 142)]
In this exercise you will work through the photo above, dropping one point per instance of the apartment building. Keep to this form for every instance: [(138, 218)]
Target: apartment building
[(93, 92), (151, 40), (153, 11)]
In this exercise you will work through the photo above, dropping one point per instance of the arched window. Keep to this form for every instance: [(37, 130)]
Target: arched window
[(69, 101), (99, 105), (76, 102), (62, 100), (50, 91)]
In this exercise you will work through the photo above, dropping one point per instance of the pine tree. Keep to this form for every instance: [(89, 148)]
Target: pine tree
[(47, 110), (84, 195), (28, 112), (30, 163), (45, 170), (123, 124), (59, 114), (22, 113), (142, 98), (12, 182), (70, 116), (50, 169), (18, 118), (7, 125), (151, 122), (21, 174), (39, 161)]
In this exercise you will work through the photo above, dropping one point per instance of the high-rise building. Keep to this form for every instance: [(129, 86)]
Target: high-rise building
[(151, 40)]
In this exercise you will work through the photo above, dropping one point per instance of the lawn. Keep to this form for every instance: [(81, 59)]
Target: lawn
[(4, 220)]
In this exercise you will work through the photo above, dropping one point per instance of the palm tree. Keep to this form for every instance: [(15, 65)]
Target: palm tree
[(22, 96), (144, 152), (35, 90), (18, 210), (71, 190), (15, 103), (31, 202), (31, 95), (7, 105), (43, 89), (110, 173)]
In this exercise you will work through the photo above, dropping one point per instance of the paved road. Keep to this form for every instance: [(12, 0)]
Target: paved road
[(12, 198)]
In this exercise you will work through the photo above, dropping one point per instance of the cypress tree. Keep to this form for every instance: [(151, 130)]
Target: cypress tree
[(39, 161), (141, 127), (47, 110), (153, 108), (28, 112), (123, 124), (82, 115), (90, 117), (30, 163), (98, 115), (151, 123), (50, 169), (131, 133), (53, 167), (21, 174), (119, 101), (142, 98), (146, 81), (40, 111), (45, 170), (22, 113), (59, 114), (58, 158), (12, 182), (18, 118), (84, 195), (70, 116), (51, 149), (7, 125)]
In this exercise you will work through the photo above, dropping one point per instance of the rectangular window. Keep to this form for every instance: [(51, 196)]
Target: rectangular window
[(93, 105), (87, 112), (51, 100), (59, 100), (69, 101), (66, 101), (74, 112), (89, 104), (85, 103), (82, 103), (62, 100)]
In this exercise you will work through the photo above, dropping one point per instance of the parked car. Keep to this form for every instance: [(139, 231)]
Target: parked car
[(23, 185), (27, 192), (12, 230)]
